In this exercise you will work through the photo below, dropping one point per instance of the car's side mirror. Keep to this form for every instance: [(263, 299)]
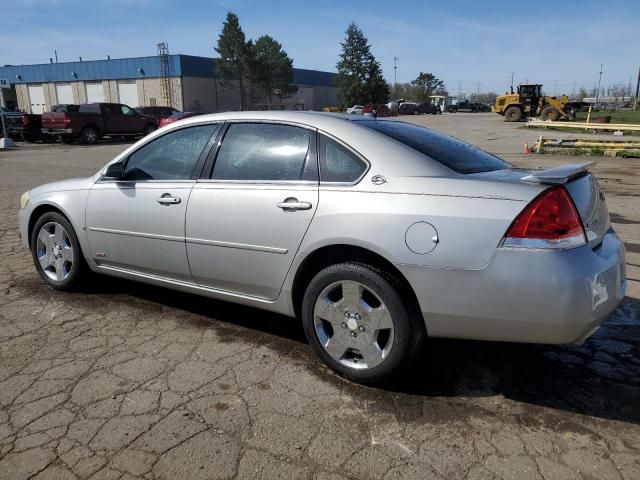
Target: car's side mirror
[(115, 171)]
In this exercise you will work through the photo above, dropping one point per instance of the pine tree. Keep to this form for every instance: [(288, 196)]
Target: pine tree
[(360, 78), (235, 55), (273, 69)]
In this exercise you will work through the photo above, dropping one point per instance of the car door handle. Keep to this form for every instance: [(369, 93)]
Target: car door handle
[(292, 204), (168, 200)]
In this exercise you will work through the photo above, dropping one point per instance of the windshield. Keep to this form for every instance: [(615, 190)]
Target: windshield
[(455, 154)]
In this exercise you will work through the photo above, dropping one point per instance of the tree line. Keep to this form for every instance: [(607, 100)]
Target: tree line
[(263, 68)]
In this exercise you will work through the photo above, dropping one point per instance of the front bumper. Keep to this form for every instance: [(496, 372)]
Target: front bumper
[(23, 223), (523, 295)]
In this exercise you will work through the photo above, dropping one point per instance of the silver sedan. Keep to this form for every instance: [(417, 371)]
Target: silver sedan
[(375, 233)]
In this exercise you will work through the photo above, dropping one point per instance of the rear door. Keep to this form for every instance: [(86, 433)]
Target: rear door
[(245, 223)]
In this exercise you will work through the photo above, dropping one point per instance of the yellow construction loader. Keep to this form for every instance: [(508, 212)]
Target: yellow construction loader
[(529, 101)]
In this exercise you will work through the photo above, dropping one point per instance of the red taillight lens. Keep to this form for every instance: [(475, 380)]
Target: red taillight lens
[(550, 221), (67, 119), (25, 120)]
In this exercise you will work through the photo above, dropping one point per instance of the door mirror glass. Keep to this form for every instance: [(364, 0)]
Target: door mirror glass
[(115, 171)]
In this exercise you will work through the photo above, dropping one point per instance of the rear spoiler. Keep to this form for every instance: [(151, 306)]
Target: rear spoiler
[(558, 175)]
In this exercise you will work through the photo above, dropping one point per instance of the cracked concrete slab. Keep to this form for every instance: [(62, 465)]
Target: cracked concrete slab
[(125, 381)]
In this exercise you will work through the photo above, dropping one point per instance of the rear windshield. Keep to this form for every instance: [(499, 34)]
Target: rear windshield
[(452, 153)]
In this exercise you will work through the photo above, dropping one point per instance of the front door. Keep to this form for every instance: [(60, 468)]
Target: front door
[(137, 223), (244, 225)]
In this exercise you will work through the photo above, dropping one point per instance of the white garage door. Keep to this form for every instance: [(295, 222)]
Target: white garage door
[(36, 98), (95, 92), (64, 93), (128, 92)]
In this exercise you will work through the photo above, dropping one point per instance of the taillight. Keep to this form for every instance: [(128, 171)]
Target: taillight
[(549, 221), (67, 119), (25, 120)]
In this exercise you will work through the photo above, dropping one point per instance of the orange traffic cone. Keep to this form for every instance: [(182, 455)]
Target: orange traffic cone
[(526, 148)]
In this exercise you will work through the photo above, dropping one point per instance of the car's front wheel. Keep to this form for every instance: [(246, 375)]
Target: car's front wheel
[(56, 252), (359, 324)]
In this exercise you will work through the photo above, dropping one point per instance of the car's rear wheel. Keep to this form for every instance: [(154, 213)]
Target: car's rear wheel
[(89, 135), (56, 252), (359, 324)]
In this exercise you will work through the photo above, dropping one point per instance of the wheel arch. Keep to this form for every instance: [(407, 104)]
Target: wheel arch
[(38, 212), (328, 255), (90, 125)]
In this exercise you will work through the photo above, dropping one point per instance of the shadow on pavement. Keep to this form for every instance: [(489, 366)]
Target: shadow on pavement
[(600, 378)]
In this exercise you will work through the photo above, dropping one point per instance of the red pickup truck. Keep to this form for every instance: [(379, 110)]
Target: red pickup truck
[(92, 121)]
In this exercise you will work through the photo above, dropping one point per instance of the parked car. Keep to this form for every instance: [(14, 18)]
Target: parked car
[(355, 110), (94, 120), (464, 106), (373, 232), (176, 116), (376, 110), (20, 125), (413, 108), (160, 112)]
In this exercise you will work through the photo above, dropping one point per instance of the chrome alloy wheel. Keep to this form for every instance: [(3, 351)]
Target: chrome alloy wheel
[(54, 251), (353, 325)]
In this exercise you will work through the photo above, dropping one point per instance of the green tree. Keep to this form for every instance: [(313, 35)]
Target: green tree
[(235, 55), (272, 68), (428, 84), (359, 74)]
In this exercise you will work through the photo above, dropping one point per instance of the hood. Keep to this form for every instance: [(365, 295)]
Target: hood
[(63, 185)]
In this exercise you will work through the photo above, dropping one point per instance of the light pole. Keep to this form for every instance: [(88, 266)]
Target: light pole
[(395, 75), (598, 92)]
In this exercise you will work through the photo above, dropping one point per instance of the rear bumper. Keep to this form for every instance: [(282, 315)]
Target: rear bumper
[(57, 131), (522, 295)]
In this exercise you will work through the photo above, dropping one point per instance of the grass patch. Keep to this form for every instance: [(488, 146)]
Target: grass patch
[(578, 151), (617, 116)]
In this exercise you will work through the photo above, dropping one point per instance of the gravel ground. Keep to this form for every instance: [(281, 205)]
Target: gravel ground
[(128, 381)]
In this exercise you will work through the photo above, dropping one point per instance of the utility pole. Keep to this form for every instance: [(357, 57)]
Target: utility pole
[(599, 80), (395, 75), (555, 88), (635, 102)]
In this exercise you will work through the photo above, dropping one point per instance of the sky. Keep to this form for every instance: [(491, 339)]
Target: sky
[(472, 45)]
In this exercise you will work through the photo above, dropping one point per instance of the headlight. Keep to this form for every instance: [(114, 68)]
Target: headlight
[(24, 199)]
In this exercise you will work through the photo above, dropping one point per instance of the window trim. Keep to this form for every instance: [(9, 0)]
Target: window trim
[(349, 149), (197, 169), (207, 171)]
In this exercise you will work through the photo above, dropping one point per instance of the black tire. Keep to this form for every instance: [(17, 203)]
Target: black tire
[(78, 270), (149, 128), (549, 113), (89, 136), (408, 323), (512, 114)]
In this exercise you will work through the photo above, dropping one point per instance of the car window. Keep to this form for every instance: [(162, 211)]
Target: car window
[(337, 164), (455, 154), (127, 110), (170, 157), (262, 151)]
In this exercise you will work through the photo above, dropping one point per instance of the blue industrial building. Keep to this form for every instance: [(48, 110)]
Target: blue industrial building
[(183, 81)]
